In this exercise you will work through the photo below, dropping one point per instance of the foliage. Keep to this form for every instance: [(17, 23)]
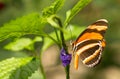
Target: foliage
[(22, 43), (34, 24), (71, 13), (53, 8), (30, 24), (25, 70), (9, 65)]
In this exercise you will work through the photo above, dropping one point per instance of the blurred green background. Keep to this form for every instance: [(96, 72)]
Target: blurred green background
[(109, 68)]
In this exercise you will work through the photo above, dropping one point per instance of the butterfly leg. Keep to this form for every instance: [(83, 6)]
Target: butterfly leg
[(76, 61)]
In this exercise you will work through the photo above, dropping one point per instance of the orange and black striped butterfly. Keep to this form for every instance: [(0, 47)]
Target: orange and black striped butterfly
[(90, 44)]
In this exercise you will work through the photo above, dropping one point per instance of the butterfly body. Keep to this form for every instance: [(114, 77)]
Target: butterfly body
[(90, 44)]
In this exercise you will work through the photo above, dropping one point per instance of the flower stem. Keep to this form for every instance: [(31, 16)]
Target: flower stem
[(67, 68)]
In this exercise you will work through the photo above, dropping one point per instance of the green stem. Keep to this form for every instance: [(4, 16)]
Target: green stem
[(67, 68), (53, 40), (56, 34), (47, 35), (41, 67), (40, 60)]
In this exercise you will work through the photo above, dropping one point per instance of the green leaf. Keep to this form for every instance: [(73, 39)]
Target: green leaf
[(9, 65), (30, 24), (55, 22), (71, 13), (53, 8), (19, 44), (36, 75), (70, 33), (22, 43), (37, 39), (25, 71)]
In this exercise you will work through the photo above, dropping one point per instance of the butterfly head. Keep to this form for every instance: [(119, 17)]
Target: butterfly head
[(73, 46)]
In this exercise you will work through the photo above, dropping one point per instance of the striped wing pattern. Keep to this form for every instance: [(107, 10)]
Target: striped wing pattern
[(90, 44)]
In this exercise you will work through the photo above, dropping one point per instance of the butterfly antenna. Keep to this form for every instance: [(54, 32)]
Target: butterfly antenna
[(71, 41), (71, 36)]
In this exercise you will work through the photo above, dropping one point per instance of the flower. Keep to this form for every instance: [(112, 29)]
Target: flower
[(65, 58)]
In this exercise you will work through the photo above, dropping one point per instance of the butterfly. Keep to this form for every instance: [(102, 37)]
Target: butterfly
[(90, 44)]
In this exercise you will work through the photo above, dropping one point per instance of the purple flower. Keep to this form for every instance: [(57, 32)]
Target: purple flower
[(65, 58)]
